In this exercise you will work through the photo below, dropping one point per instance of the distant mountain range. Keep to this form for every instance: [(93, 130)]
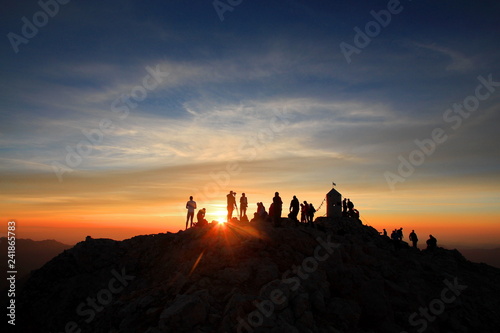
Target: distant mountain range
[(30, 255), (487, 256)]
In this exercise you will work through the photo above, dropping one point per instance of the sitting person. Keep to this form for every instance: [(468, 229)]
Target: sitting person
[(261, 211), (431, 243), (202, 222)]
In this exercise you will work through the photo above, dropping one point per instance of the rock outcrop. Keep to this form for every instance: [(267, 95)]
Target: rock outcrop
[(339, 277)]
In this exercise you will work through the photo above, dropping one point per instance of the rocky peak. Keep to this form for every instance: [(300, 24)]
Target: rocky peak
[(341, 276)]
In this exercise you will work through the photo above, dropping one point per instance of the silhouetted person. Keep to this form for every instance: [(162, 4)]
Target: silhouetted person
[(431, 243), (395, 239), (261, 210), (294, 208), (413, 238), (201, 218), (243, 205), (385, 233), (344, 206), (277, 208), (350, 205), (261, 214), (400, 234), (310, 213), (306, 212), (231, 203), (190, 206), (302, 213)]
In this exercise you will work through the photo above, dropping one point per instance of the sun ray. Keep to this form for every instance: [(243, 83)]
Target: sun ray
[(196, 262)]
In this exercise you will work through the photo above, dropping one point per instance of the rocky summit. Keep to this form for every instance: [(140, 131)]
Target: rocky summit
[(341, 276)]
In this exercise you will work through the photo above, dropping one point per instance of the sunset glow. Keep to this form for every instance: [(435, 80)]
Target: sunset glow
[(107, 126)]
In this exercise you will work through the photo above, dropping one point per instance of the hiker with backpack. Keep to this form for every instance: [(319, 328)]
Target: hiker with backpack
[(400, 233)]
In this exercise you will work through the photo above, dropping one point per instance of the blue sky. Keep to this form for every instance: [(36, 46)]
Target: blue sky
[(272, 72)]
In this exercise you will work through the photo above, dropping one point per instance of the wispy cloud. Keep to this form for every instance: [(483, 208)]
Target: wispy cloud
[(226, 84), (457, 61)]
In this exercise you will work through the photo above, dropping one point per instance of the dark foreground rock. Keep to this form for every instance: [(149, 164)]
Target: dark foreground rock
[(339, 277)]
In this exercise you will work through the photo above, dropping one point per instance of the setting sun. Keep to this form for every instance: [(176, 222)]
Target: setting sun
[(218, 215), (196, 144), (112, 143)]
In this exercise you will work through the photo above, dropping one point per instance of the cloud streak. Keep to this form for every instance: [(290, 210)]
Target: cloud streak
[(226, 85)]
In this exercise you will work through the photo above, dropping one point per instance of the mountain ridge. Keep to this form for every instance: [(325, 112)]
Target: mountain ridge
[(30, 255), (339, 277)]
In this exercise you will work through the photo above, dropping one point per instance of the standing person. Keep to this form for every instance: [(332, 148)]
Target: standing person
[(413, 238), (395, 239), (311, 212), (294, 209), (344, 206), (306, 212), (277, 207), (243, 205), (190, 206), (302, 213), (231, 203), (385, 233), (350, 206), (400, 233)]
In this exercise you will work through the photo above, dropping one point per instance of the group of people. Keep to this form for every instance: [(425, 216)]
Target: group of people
[(231, 205), (348, 209), (397, 237), (200, 216), (306, 209)]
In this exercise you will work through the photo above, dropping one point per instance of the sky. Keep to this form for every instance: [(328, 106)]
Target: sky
[(113, 113)]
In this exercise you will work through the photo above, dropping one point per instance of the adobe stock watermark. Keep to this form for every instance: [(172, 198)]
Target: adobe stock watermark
[(103, 298), (121, 108), (225, 6), (454, 116), (437, 306), (372, 29), (30, 28), (247, 151), (309, 265)]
